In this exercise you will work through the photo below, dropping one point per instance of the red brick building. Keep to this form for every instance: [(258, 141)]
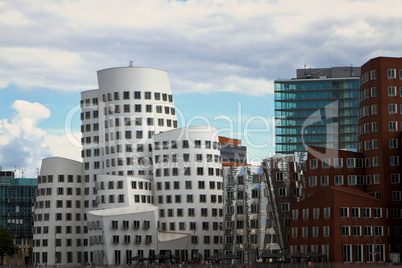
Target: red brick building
[(367, 181)]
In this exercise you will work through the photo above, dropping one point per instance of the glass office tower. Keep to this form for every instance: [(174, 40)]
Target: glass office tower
[(318, 108)]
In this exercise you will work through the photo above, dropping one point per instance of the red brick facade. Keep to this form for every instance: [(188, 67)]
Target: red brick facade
[(367, 180)]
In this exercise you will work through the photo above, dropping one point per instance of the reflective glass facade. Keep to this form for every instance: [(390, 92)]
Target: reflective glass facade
[(17, 196), (316, 112)]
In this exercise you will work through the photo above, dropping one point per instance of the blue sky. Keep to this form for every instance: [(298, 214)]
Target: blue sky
[(217, 53)]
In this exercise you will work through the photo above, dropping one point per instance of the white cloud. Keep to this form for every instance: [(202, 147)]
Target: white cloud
[(202, 44), (23, 144)]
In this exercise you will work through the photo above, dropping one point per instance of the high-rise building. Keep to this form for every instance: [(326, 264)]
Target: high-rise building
[(247, 227), (363, 203), (284, 178), (145, 188), (17, 199), (318, 108)]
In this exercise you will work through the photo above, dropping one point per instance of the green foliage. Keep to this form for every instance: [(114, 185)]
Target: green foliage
[(6, 243)]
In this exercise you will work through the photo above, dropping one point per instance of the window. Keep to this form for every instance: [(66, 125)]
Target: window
[(295, 214), (391, 91), (377, 213), (304, 232), (393, 143), (324, 180), (394, 161), (338, 162), (392, 108), (352, 180), (313, 163), (325, 163), (395, 178), (285, 207), (378, 231), (326, 231), (294, 232), (305, 214), (345, 230), (396, 196), (373, 74), (374, 144), (373, 92), (391, 73), (338, 180), (282, 192), (327, 212), (374, 126), (344, 212), (355, 212), (313, 181), (347, 253)]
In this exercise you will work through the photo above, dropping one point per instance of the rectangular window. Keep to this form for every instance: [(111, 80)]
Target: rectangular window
[(338, 180), (345, 230), (313, 163), (344, 212), (313, 181), (391, 73), (392, 108), (347, 253), (394, 161)]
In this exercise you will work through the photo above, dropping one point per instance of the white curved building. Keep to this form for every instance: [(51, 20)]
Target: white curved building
[(188, 186), (59, 223), (120, 120)]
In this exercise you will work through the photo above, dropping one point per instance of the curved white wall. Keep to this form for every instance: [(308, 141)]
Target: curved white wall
[(188, 184), (60, 212)]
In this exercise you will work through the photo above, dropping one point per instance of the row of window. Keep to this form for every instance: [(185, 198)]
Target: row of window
[(189, 198), (174, 158), (345, 231), (141, 185), (187, 171), (190, 212), (356, 162), (188, 185), (115, 109), (372, 92), (185, 144), (372, 75), (254, 208), (103, 199), (136, 95), (351, 180), (46, 217), (125, 224), (67, 229), (60, 179)]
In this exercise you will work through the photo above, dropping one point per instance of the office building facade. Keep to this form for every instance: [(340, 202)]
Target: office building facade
[(318, 108), (17, 199)]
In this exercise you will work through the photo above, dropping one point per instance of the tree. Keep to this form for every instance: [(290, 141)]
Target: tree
[(7, 246)]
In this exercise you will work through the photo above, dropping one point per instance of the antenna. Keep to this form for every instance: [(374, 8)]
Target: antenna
[(131, 63)]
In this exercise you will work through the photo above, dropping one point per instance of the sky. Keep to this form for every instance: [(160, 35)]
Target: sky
[(222, 58)]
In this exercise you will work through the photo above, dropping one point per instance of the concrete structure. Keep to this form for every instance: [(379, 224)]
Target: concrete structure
[(17, 199), (188, 181), (129, 135), (369, 178), (59, 212), (318, 108)]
